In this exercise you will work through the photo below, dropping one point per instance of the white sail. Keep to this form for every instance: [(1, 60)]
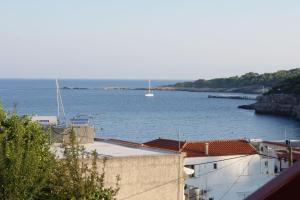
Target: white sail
[(149, 93)]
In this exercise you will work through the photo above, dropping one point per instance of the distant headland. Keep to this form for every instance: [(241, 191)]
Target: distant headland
[(282, 99), (252, 83)]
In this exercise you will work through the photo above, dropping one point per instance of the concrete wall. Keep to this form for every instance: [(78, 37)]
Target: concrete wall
[(84, 134), (155, 177)]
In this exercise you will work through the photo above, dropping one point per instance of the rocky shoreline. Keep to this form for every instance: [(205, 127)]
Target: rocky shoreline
[(276, 104)]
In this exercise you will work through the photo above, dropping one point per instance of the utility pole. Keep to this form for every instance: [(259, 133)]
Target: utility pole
[(290, 155), (179, 170), (178, 140), (285, 134)]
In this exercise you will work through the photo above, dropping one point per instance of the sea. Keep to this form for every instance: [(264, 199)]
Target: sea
[(129, 115)]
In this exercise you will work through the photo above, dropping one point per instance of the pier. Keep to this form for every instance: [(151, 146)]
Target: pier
[(243, 97)]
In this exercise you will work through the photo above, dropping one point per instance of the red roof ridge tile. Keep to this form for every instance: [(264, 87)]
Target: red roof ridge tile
[(222, 140)]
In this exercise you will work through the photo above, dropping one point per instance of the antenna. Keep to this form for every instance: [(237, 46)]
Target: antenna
[(285, 134), (179, 140), (57, 97), (60, 106)]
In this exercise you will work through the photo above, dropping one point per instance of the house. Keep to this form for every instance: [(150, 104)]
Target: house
[(146, 173), (278, 149), (223, 169)]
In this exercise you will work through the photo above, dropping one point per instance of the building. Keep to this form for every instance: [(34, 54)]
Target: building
[(85, 134), (278, 155), (284, 186), (223, 169), (45, 120), (146, 173)]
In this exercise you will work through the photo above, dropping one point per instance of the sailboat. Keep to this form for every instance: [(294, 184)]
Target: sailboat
[(61, 115), (149, 93), (55, 121)]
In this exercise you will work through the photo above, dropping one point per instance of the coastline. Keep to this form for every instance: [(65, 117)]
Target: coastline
[(246, 90), (276, 104)]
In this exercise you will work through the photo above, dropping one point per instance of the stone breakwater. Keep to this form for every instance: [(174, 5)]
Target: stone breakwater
[(277, 104)]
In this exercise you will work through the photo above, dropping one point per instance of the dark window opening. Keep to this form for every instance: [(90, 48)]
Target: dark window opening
[(215, 166), (266, 163)]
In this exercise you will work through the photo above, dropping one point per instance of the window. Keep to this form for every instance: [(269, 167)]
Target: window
[(261, 148), (210, 198), (266, 163), (215, 166)]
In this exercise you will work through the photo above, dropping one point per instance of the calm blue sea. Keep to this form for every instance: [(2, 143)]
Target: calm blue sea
[(129, 115)]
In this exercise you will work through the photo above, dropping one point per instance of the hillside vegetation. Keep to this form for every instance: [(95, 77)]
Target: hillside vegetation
[(267, 80), (288, 86)]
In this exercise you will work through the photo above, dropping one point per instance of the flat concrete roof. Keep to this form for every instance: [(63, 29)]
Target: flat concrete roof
[(110, 149)]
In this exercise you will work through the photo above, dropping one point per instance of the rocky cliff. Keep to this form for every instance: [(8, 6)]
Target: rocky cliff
[(277, 104)]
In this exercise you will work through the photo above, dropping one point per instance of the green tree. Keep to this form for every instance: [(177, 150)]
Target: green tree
[(28, 169), (77, 176), (25, 160)]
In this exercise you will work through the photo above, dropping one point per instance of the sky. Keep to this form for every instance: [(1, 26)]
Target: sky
[(147, 39)]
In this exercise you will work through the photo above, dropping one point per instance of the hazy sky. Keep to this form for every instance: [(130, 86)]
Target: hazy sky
[(147, 39)]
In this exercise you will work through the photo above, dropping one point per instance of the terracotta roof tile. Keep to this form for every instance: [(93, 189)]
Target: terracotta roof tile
[(197, 148), (286, 155), (124, 142), (166, 144), (275, 143)]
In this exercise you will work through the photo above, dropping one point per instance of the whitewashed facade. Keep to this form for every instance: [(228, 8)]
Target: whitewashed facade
[(226, 169), (234, 178)]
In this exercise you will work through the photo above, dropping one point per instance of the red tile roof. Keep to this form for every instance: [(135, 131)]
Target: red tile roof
[(124, 142), (284, 186), (275, 143), (197, 148), (166, 144), (286, 155), (133, 144)]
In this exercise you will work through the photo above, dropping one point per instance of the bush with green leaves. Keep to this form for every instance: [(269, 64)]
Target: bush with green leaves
[(28, 169), (25, 160), (76, 176)]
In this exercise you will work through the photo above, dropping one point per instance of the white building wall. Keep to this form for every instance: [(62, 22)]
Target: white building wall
[(232, 179), (270, 151)]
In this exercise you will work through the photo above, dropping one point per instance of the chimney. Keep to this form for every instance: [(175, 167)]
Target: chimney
[(206, 148)]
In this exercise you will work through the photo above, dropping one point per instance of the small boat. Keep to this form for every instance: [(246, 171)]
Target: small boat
[(149, 93)]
